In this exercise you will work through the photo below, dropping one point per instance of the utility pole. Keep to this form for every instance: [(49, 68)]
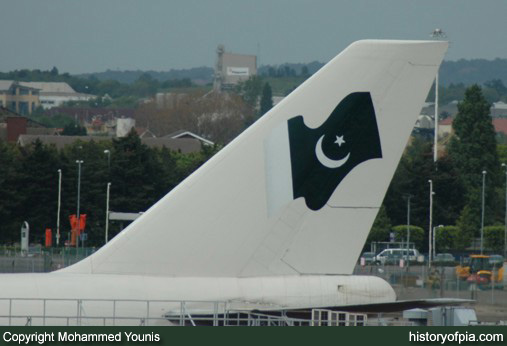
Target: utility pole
[(505, 232), (59, 207), (430, 230), (408, 230), (107, 213), (79, 163), (482, 216)]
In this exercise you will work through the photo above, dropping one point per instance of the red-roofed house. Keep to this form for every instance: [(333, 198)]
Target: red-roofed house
[(445, 126), (500, 125)]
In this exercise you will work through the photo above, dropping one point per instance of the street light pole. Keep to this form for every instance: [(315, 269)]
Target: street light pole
[(434, 240), (108, 152), (436, 34), (435, 149), (505, 232), (107, 213), (482, 216), (59, 206), (408, 230), (430, 230), (79, 163)]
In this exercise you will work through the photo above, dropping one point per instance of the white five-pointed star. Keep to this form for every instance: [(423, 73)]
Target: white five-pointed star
[(339, 140)]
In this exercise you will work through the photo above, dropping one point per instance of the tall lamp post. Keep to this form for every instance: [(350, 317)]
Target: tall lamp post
[(430, 231), (59, 206), (434, 240), (108, 153), (436, 34), (505, 233), (107, 213), (482, 210), (79, 163), (408, 230)]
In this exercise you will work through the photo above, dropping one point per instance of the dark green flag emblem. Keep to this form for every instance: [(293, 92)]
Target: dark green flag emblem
[(322, 157)]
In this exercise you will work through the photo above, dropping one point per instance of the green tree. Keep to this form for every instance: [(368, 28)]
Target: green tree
[(131, 163), (73, 130), (473, 146), (10, 196), (380, 228), (304, 71), (446, 237), (145, 85), (250, 90), (37, 184), (468, 224), (416, 235), (139, 175), (473, 149), (494, 238), (266, 99)]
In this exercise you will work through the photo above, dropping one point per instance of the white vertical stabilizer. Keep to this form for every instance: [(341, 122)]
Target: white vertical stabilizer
[(298, 191)]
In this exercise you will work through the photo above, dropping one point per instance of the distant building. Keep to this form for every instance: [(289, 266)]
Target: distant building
[(97, 121), (498, 109), (500, 125), (13, 125), (54, 94), (18, 97), (233, 68), (182, 145), (86, 115), (168, 100), (187, 134), (425, 122), (145, 133), (449, 110), (24, 97), (124, 125), (445, 126)]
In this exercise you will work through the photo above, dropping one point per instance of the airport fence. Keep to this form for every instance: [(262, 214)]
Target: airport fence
[(39, 260), (419, 281)]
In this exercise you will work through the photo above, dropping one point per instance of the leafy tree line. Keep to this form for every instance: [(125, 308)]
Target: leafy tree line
[(145, 85), (289, 69), (201, 73), (473, 71), (139, 177), (493, 90), (457, 182)]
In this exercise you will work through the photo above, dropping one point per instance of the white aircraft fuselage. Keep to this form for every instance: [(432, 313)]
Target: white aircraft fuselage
[(55, 295)]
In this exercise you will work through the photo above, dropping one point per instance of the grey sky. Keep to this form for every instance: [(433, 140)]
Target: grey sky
[(94, 35)]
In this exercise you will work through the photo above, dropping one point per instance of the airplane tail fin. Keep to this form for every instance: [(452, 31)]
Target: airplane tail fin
[(298, 191)]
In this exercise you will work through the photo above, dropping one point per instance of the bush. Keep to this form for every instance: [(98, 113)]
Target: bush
[(445, 238), (494, 238), (416, 234)]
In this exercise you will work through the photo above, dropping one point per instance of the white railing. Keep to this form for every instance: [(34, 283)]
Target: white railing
[(123, 312)]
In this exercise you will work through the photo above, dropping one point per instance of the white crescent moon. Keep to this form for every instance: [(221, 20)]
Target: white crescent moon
[(326, 161)]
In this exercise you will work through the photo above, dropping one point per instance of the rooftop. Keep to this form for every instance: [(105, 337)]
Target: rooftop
[(183, 145)]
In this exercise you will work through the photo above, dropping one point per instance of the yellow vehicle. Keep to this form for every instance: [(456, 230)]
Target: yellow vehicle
[(481, 269)]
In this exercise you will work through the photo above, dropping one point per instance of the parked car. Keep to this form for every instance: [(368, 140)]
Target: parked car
[(369, 257), (444, 259), (496, 260), (389, 256)]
